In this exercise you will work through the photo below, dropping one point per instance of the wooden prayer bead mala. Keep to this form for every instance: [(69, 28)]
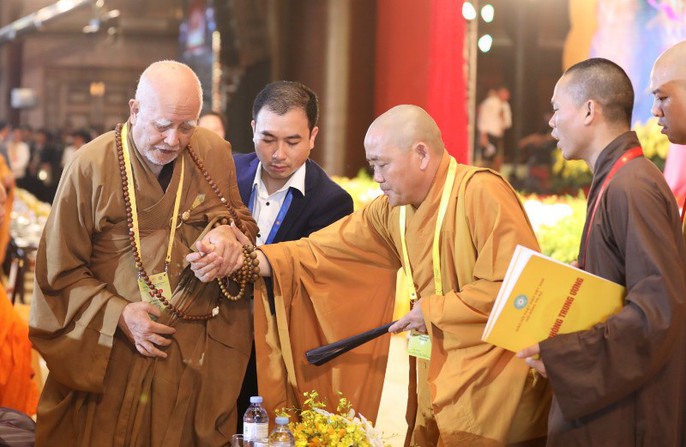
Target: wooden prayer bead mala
[(248, 272)]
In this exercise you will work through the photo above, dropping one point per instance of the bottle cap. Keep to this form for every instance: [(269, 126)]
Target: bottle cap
[(255, 399), (281, 420)]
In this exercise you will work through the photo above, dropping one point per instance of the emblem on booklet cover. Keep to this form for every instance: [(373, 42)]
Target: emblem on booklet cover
[(520, 302)]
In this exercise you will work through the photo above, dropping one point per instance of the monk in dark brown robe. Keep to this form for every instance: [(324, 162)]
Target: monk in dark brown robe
[(622, 382), (136, 361)]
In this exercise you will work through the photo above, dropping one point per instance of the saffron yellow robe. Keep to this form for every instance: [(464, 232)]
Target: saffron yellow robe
[(5, 227), (340, 281), (17, 389), (100, 391)]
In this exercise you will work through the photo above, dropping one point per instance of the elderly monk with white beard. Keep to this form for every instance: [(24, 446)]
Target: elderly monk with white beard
[(144, 349)]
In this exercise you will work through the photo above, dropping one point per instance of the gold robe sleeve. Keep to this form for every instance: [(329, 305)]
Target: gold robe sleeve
[(338, 282), (72, 312)]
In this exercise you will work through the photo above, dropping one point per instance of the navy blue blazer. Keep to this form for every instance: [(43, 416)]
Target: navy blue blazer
[(324, 201)]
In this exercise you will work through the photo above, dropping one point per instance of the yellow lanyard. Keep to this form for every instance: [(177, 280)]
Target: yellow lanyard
[(445, 197), (132, 195)]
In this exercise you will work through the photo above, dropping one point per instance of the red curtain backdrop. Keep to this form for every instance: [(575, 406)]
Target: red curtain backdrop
[(419, 60)]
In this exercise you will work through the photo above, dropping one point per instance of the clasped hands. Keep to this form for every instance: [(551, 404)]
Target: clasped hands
[(220, 253)]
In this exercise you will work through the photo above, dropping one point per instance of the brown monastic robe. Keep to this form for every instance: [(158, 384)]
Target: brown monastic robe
[(100, 390), (340, 281), (623, 382)]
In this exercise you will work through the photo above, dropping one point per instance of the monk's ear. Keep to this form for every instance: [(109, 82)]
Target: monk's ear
[(423, 154), (591, 109), (134, 108)]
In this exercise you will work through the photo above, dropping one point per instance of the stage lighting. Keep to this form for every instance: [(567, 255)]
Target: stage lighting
[(485, 43), (468, 11), (487, 13)]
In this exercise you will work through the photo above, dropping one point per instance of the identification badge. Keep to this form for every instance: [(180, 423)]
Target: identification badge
[(161, 283), (419, 345)]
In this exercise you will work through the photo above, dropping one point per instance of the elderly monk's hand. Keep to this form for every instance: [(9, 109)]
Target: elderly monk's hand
[(412, 321), (532, 357), (143, 332), (219, 254)]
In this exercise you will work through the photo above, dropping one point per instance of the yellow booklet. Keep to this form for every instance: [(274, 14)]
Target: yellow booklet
[(541, 297)]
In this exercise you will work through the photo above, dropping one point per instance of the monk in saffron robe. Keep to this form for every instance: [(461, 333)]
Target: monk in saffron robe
[(668, 85), (462, 225), (623, 381), (134, 362), (17, 389), (7, 181)]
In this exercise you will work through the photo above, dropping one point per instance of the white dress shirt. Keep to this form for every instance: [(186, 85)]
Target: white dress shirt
[(265, 207)]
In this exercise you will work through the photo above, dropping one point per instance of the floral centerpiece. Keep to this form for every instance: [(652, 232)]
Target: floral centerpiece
[(317, 427)]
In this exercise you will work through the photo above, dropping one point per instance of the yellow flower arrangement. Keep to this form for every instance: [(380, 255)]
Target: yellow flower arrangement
[(655, 144), (362, 188), (569, 175), (318, 427), (558, 222)]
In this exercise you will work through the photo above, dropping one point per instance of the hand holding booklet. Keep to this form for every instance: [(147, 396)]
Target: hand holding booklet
[(541, 297)]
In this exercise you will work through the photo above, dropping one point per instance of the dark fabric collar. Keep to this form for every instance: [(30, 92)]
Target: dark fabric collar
[(166, 175), (612, 153), (603, 166)]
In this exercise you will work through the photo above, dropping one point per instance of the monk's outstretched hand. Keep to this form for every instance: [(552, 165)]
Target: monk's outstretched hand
[(143, 332), (412, 321)]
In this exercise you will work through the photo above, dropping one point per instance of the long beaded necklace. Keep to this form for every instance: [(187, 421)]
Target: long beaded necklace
[(248, 272)]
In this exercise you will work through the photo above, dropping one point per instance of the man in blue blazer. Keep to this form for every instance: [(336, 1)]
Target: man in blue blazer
[(289, 195)]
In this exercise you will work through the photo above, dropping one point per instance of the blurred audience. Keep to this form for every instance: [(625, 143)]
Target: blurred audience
[(537, 149), (78, 139), (214, 122), (43, 172), (493, 119), (18, 154)]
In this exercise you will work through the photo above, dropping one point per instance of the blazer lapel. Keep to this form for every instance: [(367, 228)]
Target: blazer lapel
[(298, 204)]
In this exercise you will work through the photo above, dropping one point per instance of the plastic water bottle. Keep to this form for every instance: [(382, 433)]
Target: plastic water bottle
[(255, 421), (281, 436)]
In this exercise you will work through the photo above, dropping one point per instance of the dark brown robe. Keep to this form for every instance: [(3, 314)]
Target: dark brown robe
[(100, 390), (623, 382)]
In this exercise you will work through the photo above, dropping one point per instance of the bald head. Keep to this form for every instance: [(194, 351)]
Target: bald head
[(668, 86), (404, 148), (673, 61), (172, 82), (165, 111), (405, 125)]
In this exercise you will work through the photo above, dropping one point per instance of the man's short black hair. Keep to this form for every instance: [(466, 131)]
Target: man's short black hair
[(282, 96)]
